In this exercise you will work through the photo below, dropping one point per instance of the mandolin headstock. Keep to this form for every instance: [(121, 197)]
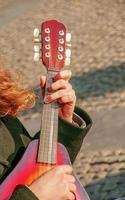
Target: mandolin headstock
[(52, 45)]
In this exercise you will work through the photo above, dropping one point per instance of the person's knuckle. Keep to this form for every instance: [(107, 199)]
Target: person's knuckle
[(70, 86), (68, 97), (70, 73), (53, 86), (71, 196), (73, 179), (73, 94), (74, 187), (62, 82), (59, 170), (70, 168), (61, 92), (65, 189)]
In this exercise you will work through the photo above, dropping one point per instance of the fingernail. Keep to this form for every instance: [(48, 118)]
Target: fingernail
[(47, 99), (57, 77), (49, 88)]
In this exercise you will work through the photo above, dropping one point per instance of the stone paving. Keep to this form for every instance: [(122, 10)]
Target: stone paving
[(103, 173), (98, 67), (98, 52)]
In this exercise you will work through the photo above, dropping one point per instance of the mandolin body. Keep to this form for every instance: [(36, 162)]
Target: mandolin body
[(28, 170)]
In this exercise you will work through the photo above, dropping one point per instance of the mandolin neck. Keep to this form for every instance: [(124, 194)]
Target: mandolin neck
[(47, 152)]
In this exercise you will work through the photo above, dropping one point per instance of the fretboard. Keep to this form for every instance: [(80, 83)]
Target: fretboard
[(47, 152)]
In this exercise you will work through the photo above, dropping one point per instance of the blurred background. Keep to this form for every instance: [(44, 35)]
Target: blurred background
[(98, 68)]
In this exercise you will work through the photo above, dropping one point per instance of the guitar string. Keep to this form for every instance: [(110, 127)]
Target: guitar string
[(51, 114)]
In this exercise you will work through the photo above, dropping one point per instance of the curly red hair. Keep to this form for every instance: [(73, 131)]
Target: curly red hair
[(13, 97)]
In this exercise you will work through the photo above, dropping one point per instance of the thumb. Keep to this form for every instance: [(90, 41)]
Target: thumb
[(42, 81), (43, 84)]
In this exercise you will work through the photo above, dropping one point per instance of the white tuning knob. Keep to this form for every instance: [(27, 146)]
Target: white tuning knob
[(36, 40), (36, 48), (67, 61), (68, 37), (36, 57), (68, 53), (36, 32), (68, 45)]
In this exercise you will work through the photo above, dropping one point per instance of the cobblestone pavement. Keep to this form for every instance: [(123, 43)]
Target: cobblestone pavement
[(98, 67), (103, 173), (98, 53)]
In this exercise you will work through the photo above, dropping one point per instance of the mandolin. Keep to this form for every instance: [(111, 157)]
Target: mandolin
[(43, 154)]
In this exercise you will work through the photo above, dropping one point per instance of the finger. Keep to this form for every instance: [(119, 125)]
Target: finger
[(42, 81), (70, 97), (61, 95), (66, 75), (71, 196), (70, 178), (72, 187), (43, 84), (60, 84)]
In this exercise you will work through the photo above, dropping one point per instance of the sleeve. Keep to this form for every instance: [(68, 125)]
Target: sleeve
[(23, 193), (71, 135)]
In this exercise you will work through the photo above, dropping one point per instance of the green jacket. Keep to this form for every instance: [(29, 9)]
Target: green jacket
[(14, 138)]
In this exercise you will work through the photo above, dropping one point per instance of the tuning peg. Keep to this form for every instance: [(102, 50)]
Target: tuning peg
[(68, 45), (67, 61), (36, 56), (68, 37), (36, 48), (36, 32), (37, 40), (68, 53)]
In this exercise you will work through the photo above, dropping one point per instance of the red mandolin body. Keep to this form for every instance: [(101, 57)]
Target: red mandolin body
[(28, 170)]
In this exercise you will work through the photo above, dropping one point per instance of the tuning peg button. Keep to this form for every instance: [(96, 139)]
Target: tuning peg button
[(68, 37), (36, 48), (36, 32), (68, 53), (36, 40), (36, 57), (67, 61)]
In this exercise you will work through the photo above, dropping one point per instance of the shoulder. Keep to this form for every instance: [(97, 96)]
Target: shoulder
[(16, 129), (12, 123)]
